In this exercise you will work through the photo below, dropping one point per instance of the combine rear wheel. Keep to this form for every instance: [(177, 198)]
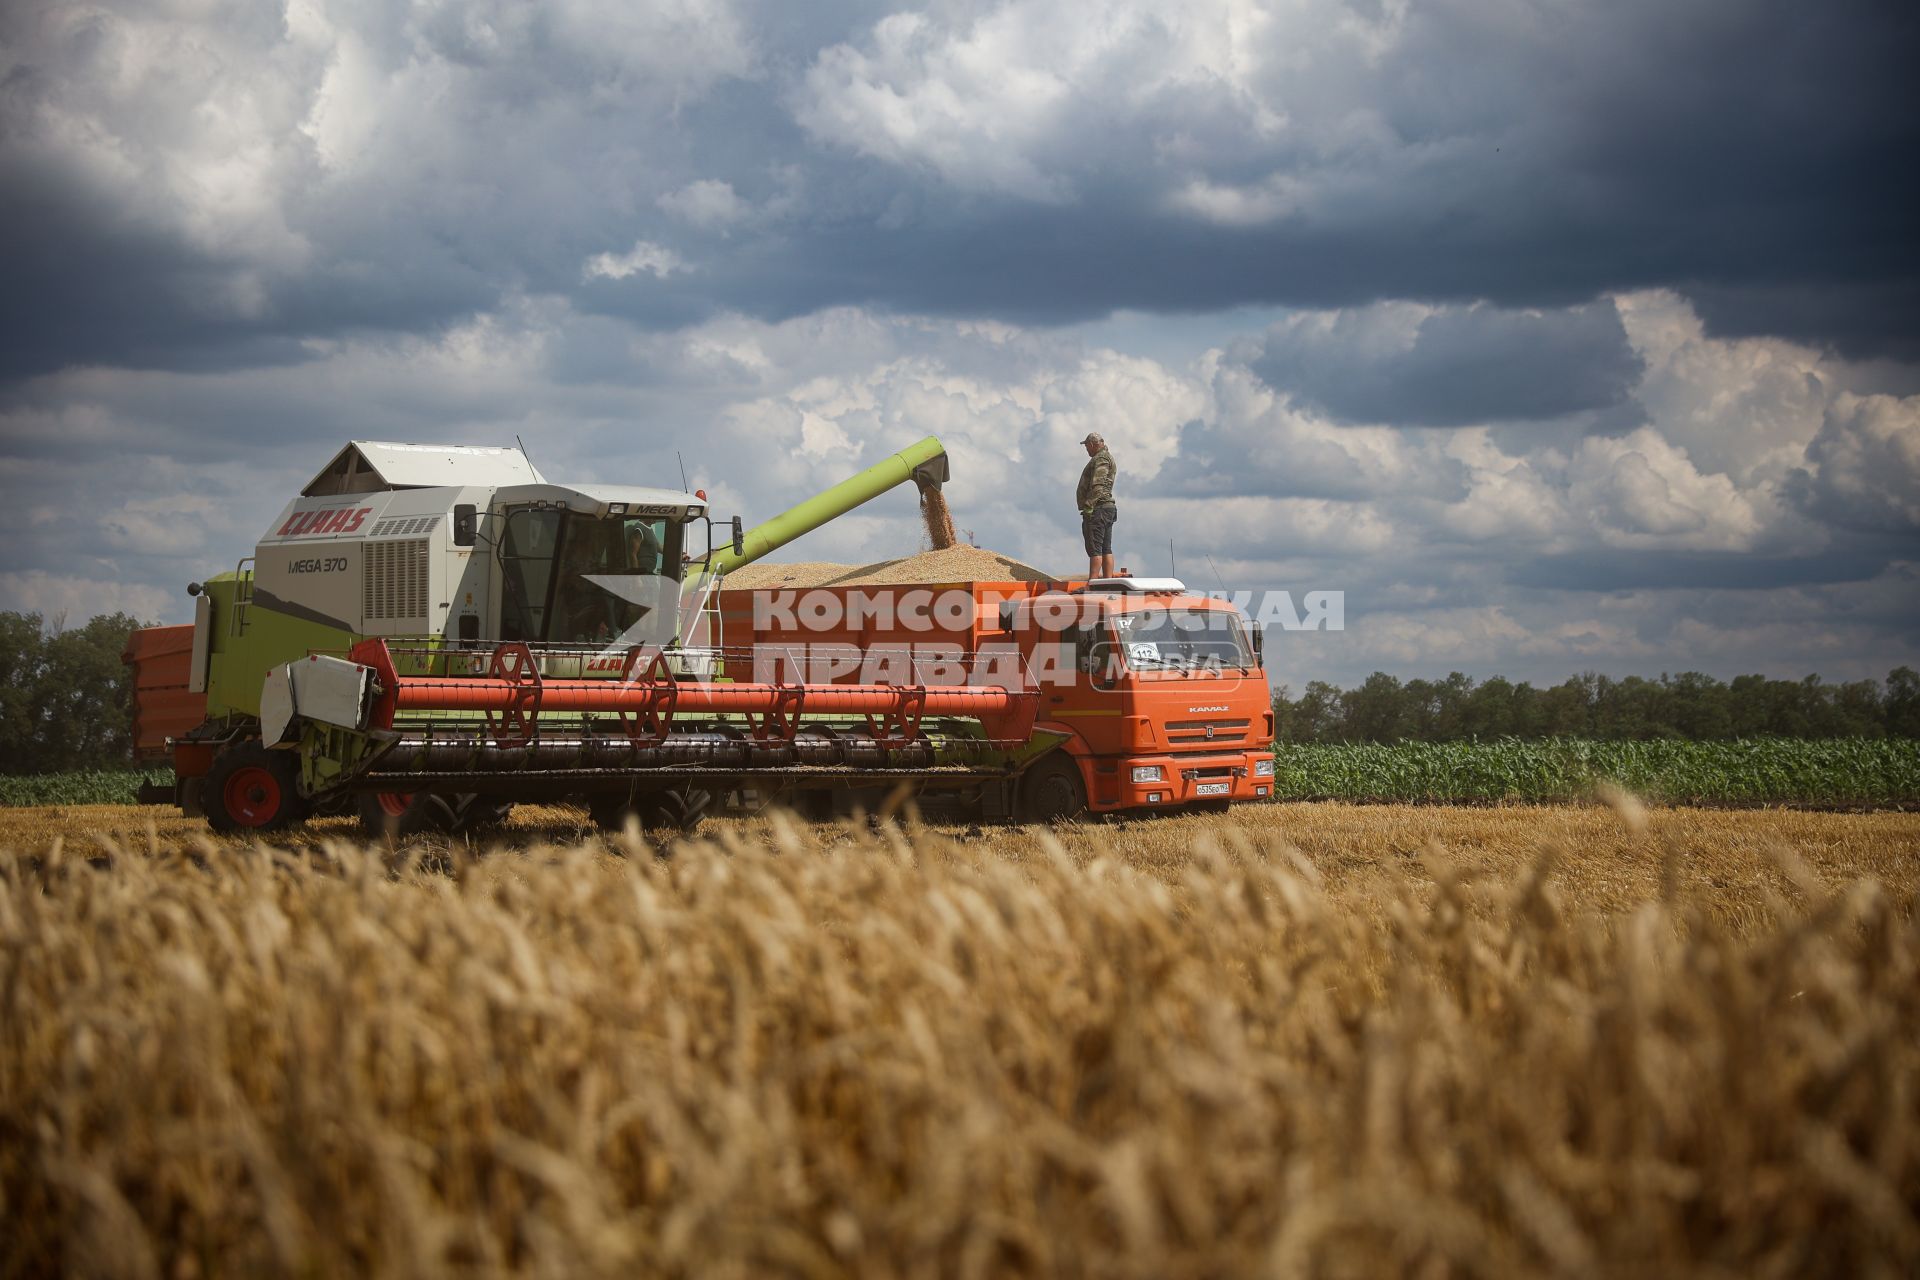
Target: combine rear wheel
[(1052, 791), (251, 788)]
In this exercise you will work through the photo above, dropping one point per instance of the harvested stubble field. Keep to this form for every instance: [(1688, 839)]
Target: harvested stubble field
[(1291, 1040)]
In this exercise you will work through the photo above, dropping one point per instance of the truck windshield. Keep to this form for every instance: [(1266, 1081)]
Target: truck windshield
[(1183, 640), (578, 580)]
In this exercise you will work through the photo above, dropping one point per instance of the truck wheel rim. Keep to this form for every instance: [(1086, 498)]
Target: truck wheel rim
[(252, 796), (1056, 795), (395, 803)]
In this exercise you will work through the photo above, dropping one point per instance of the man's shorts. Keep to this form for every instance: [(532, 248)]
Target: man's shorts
[(1096, 530)]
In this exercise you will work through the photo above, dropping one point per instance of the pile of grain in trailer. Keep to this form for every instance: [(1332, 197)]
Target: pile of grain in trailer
[(954, 564)]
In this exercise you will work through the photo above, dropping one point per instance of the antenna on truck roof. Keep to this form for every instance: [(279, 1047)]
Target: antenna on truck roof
[(1216, 575)]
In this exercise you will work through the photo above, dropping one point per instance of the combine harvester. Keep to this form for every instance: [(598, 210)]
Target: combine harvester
[(427, 635)]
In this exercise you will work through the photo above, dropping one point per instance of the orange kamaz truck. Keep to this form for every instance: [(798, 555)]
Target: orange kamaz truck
[(1147, 696)]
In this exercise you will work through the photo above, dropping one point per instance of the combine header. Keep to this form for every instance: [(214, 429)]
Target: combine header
[(428, 635)]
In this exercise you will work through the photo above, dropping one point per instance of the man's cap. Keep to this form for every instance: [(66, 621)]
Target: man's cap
[(1091, 437)]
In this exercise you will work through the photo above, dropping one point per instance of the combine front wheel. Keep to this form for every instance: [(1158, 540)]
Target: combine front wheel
[(251, 788), (676, 810), (473, 813), (684, 810)]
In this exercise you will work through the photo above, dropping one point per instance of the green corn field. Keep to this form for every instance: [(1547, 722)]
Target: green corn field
[(90, 786), (1834, 771), (1853, 772)]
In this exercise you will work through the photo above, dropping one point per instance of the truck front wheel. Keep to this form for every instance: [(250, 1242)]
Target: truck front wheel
[(251, 788), (1052, 791)]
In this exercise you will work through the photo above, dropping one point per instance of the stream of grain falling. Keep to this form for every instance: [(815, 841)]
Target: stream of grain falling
[(938, 518)]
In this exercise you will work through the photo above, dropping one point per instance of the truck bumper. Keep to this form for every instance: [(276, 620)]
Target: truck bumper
[(1185, 780)]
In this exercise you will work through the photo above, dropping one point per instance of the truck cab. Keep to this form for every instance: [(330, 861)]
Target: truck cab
[(1160, 695), (1149, 696)]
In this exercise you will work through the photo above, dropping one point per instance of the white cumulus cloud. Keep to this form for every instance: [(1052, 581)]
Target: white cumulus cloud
[(645, 257), (707, 203)]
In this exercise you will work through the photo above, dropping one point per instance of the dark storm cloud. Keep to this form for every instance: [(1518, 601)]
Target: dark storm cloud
[(1755, 155), (87, 285), (1462, 366), (74, 290), (1295, 458), (1749, 151), (1051, 265), (1622, 570)]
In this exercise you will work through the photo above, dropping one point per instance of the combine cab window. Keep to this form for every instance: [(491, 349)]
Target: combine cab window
[(570, 579)]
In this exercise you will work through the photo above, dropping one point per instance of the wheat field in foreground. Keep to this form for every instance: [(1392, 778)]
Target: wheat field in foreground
[(1292, 1040)]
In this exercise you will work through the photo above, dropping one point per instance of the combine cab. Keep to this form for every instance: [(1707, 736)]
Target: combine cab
[(427, 635)]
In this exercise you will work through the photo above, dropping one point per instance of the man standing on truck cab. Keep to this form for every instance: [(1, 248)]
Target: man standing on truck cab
[(1097, 512)]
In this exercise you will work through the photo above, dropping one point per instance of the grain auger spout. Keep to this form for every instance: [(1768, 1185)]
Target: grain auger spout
[(923, 463)]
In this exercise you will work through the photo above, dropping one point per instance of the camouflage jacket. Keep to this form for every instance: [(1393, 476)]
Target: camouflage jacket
[(1096, 482)]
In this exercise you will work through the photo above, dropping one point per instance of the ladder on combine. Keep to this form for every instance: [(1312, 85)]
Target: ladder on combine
[(242, 596)]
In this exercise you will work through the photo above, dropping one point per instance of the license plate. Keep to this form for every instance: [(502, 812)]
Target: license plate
[(1213, 789)]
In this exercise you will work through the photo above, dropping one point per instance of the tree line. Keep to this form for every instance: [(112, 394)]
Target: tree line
[(1689, 705), (65, 697), (66, 701)]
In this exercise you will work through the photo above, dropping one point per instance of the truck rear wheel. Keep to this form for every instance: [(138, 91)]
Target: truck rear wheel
[(1052, 791), (251, 788)]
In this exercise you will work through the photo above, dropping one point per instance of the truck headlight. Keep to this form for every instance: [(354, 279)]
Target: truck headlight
[(1148, 773), (1263, 768)]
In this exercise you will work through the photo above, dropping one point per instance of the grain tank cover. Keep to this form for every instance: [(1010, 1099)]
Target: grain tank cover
[(376, 466)]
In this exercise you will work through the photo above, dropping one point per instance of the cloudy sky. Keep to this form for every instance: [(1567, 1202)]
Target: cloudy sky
[(1559, 334)]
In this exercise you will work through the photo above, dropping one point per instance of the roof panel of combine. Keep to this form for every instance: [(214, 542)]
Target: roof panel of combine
[(377, 466), (601, 500)]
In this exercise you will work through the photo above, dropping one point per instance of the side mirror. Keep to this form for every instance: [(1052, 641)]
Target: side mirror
[(739, 538), (1258, 634), (466, 525)]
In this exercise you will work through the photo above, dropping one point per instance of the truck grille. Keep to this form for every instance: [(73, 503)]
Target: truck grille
[(1182, 732), (395, 586)]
